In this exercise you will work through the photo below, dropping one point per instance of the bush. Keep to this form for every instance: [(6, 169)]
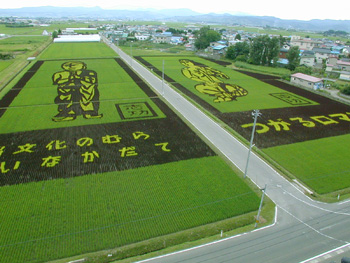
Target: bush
[(303, 69), (6, 56), (286, 77), (242, 58), (346, 90)]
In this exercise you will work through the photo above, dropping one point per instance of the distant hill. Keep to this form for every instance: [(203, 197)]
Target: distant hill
[(95, 12), (180, 15), (312, 25)]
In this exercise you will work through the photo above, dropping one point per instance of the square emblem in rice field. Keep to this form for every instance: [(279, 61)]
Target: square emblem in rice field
[(291, 99), (136, 110)]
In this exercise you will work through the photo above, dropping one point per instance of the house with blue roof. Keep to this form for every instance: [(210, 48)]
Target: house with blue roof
[(218, 48)]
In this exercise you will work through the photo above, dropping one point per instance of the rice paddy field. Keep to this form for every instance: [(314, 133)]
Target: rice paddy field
[(305, 133), (20, 48), (91, 159)]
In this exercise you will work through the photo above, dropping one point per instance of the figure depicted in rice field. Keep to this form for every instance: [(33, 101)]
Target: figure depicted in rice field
[(210, 81), (77, 92)]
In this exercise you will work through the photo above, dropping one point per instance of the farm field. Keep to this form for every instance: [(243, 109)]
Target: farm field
[(78, 50), (21, 47), (294, 122), (38, 30), (224, 90), (92, 159)]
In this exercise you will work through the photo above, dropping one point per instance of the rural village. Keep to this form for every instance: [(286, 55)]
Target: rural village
[(328, 59), (157, 141)]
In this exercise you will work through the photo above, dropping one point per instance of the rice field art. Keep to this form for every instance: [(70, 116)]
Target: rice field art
[(211, 81), (91, 159), (294, 122)]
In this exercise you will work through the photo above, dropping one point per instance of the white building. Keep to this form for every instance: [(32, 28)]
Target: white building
[(142, 37), (77, 38), (306, 81)]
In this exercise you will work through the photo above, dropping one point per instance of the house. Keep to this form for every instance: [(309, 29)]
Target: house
[(307, 60), (344, 75), (332, 60), (337, 50), (142, 37), (176, 40), (304, 44), (217, 48), (283, 53), (346, 51), (341, 67), (344, 65), (306, 81), (118, 36), (321, 54), (162, 38)]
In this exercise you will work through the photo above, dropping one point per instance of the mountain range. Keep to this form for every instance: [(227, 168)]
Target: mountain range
[(176, 15)]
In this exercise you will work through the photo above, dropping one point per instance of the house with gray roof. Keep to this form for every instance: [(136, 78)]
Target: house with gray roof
[(321, 54), (162, 38), (304, 43), (339, 67), (307, 60)]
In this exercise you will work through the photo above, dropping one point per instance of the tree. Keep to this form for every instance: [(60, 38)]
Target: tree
[(346, 90), (239, 49), (264, 50), (204, 36), (293, 57), (282, 40), (258, 50), (54, 34), (238, 37), (175, 31), (272, 51)]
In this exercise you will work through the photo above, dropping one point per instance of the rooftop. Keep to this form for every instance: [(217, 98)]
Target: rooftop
[(306, 77)]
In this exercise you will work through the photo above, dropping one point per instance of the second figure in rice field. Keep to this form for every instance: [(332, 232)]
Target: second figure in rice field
[(210, 81)]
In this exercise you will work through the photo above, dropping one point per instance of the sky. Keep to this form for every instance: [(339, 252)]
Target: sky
[(296, 9)]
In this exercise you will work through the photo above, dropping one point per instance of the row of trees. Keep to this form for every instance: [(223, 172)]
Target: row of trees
[(263, 50), (6, 56)]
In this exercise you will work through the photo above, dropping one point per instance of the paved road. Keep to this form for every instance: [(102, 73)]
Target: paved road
[(304, 228), (343, 97)]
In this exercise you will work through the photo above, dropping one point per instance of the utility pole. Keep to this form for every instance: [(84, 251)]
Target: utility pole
[(261, 202), (256, 114), (163, 80), (130, 53)]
